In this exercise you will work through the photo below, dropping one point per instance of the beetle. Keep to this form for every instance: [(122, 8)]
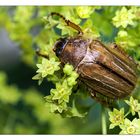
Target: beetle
[(107, 71)]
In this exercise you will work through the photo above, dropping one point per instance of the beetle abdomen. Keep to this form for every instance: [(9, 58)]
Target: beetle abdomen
[(107, 73)]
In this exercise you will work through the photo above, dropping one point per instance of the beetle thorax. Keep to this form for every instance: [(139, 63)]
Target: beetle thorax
[(74, 51)]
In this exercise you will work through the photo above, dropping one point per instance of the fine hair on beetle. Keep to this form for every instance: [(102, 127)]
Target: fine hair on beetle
[(108, 72)]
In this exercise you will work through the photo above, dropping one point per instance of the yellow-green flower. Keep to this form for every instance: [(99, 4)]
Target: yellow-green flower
[(130, 127), (38, 77), (68, 69), (122, 38), (136, 11), (58, 107), (61, 93), (48, 67), (122, 33), (72, 75), (134, 105), (84, 11), (116, 117), (124, 18), (71, 81)]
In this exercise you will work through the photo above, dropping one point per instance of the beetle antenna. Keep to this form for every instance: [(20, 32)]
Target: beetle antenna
[(38, 52), (68, 22)]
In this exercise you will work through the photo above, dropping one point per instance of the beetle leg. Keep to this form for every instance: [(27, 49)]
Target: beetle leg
[(41, 54), (103, 100), (68, 22)]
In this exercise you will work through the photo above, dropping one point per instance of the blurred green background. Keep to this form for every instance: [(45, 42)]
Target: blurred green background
[(22, 105)]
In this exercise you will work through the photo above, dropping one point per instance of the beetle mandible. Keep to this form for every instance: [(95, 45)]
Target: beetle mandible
[(107, 71)]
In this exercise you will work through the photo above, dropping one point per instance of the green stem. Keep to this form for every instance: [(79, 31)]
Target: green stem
[(139, 114), (104, 127), (127, 113)]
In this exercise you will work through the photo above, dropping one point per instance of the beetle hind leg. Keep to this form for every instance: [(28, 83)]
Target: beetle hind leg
[(108, 102)]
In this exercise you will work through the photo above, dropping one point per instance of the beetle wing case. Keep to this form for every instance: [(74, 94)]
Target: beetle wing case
[(107, 71)]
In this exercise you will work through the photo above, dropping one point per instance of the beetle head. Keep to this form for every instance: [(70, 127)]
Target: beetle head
[(59, 46)]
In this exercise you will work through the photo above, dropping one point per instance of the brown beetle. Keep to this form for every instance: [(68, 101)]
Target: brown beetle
[(107, 71)]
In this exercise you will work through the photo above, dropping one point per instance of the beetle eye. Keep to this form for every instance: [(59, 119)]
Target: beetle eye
[(59, 46)]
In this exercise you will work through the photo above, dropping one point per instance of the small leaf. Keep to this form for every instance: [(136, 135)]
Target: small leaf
[(111, 126)]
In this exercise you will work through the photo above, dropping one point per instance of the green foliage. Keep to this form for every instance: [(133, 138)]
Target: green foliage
[(24, 112), (128, 36), (60, 96), (20, 30), (118, 118), (8, 94)]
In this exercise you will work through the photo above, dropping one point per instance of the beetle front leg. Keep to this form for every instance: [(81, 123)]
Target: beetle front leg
[(39, 53), (68, 22)]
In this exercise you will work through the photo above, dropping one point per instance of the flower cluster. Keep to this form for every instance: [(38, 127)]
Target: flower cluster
[(118, 118), (130, 127), (46, 68), (127, 23), (84, 12), (134, 106), (124, 18), (59, 97)]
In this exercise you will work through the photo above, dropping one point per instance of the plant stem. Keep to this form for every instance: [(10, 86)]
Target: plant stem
[(103, 117), (127, 113)]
